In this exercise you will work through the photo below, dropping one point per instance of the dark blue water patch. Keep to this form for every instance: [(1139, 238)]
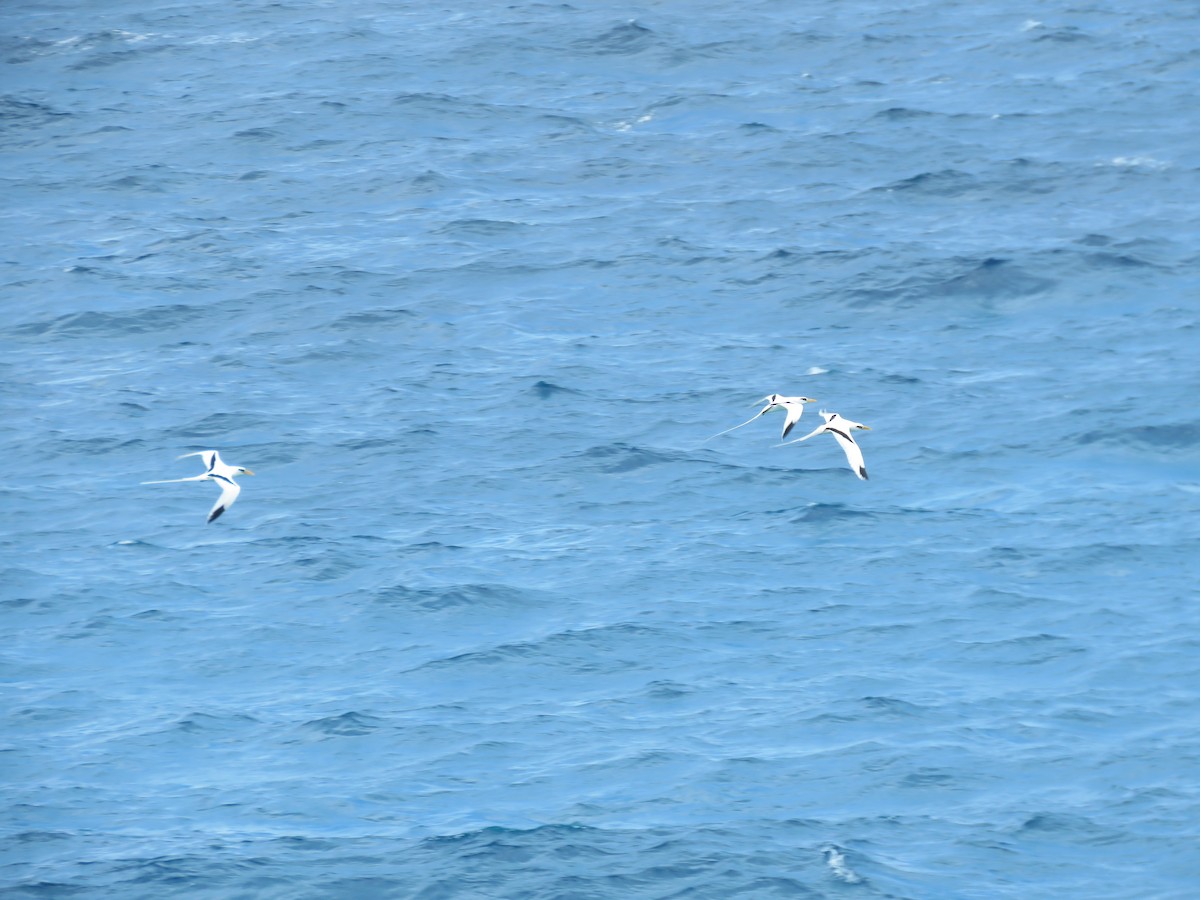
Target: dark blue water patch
[(457, 118), (424, 548), (1119, 261), (96, 627), (156, 615), (332, 565), (944, 183), (22, 49), (1007, 599), (153, 319), (577, 652), (892, 708), (315, 145), (218, 425), (1135, 253), (87, 273), (929, 777), (51, 889), (628, 39), (1140, 262), (481, 227), (1048, 823), (1066, 35), (429, 182), (572, 861), (41, 837), (1025, 650), (993, 278), (373, 319), (152, 181), (348, 724), (1155, 437), (291, 544), (894, 378), (97, 446), (182, 875), (388, 444), (194, 239), (109, 58), (758, 128), (545, 390), (817, 513), (209, 723), (563, 127), (903, 114), (480, 597), (982, 281), (258, 134), (1025, 176), (16, 112), (620, 458), (667, 691)]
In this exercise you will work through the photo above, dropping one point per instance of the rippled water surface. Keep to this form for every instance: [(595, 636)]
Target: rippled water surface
[(470, 289)]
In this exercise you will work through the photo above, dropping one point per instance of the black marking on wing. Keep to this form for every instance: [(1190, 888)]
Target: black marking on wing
[(216, 514), (212, 461), (862, 470), (216, 477), (786, 428), (839, 434)]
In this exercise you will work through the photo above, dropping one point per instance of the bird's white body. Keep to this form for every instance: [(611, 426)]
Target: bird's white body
[(793, 406), (216, 471), (840, 428)]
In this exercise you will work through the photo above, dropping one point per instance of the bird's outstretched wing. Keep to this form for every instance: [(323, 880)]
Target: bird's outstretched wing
[(794, 412), (853, 453), (210, 457), (229, 492)]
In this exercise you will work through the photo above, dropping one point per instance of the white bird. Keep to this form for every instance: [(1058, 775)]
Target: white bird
[(218, 471), (840, 428), (794, 406)]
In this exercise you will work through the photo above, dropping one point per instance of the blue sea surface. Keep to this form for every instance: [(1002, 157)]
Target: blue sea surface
[(471, 288)]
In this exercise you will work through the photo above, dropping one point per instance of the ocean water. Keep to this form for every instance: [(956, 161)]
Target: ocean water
[(471, 288)]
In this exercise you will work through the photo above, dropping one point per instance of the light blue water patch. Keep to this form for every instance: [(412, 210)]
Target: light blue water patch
[(472, 292)]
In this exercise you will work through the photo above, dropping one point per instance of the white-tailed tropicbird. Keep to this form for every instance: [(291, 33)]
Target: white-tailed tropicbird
[(794, 406), (221, 473), (840, 428)]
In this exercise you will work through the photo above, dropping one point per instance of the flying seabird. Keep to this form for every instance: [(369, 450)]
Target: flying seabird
[(221, 473), (794, 406), (840, 428)]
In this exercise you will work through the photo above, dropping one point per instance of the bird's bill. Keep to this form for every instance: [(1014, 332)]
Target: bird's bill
[(865, 427), (247, 471)]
